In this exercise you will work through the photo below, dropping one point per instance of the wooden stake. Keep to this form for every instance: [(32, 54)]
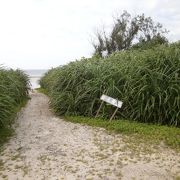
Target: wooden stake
[(97, 114), (113, 114)]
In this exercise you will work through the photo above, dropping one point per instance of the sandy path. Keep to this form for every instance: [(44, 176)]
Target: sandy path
[(46, 147)]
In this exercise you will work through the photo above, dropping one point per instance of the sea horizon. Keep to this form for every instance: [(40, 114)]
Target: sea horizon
[(35, 72), (35, 75)]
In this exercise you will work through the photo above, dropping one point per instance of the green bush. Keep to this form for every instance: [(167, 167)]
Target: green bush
[(14, 86), (146, 80)]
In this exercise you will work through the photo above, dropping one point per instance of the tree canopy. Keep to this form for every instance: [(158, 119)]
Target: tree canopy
[(129, 31)]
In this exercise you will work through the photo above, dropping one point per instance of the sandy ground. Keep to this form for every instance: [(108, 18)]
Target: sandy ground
[(46, 147)]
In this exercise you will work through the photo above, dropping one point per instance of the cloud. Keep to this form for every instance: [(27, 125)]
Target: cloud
[(46, 33)]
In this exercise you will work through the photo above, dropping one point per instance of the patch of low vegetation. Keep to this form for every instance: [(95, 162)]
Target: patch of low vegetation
[(1, 165), (14, 86), (5, 134), (147, 133), (41, 90), (146, 80)]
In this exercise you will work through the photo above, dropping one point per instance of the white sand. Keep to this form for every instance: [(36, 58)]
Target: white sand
[(46, 147)]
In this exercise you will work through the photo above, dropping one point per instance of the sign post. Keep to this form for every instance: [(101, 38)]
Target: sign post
[(111, 101), (114, 114), (97, 114)]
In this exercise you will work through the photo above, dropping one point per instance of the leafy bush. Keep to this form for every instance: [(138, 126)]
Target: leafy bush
[(14, 86), (147, 81)]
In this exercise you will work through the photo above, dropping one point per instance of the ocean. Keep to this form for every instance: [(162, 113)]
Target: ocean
[(35, 75)]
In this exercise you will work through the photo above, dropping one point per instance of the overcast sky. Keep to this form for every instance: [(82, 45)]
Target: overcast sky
[(40, 34)]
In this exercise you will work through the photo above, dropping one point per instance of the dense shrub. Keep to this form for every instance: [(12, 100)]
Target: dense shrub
[(147, 81), (14, 86)]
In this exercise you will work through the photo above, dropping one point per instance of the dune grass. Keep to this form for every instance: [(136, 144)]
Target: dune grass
[(147, 133), (14, 87), (147, 81)]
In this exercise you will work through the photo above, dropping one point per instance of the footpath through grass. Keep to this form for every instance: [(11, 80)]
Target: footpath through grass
[(7, 131), (154, 134)]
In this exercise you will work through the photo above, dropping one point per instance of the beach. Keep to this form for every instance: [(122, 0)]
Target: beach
[(35, 75), (34, 82)]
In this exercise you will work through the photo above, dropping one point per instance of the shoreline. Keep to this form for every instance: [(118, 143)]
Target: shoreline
[(34, 80)]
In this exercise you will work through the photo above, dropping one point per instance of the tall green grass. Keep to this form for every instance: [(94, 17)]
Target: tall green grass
[(14, 86), (147, 81)]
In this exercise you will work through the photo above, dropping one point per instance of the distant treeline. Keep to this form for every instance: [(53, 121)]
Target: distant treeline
[(14, 86), (146, 80)]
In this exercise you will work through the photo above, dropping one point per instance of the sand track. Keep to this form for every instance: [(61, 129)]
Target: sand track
[(46, 147)]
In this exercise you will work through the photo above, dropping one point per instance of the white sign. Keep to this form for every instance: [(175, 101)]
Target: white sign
[(111, 101)]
